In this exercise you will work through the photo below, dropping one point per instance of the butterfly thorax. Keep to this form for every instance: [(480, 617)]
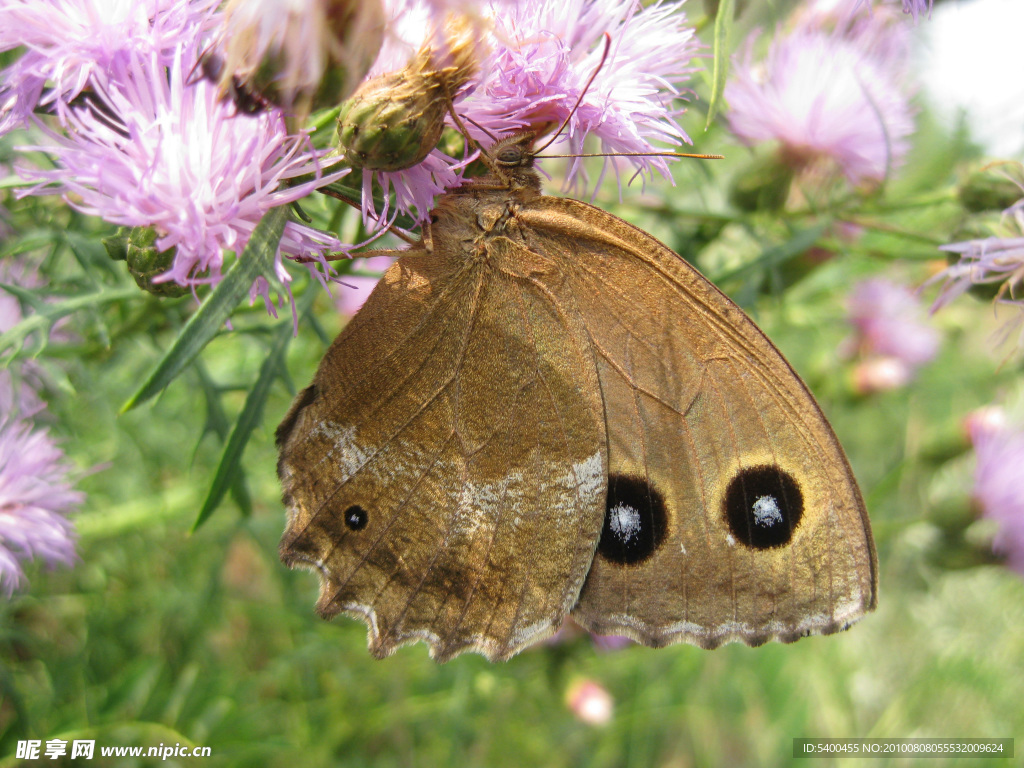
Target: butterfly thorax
[(486, 207)]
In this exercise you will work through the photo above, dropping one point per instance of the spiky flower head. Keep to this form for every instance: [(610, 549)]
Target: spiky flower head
[(891, 322), (36, 494), (166, 154), (540, 56), (68, 42), (996, 260), (826, 94), (999, 454), (917, 7), (35, 499)]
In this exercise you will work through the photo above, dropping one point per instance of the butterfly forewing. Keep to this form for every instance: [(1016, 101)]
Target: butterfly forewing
[(444, 473), (732, 513)]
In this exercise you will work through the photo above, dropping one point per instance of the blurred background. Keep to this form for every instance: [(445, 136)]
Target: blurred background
[(162, 634)]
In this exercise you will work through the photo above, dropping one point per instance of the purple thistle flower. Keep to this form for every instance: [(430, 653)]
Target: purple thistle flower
[(167, 154), (1000, 455), (35, 494), (550, 50), (608, 643), (826, 95), (890, 323), (35, 499), (910, 7), (69, 41), (541, 55), (570, 630), (415, 188), (987, 261), (915, 7)]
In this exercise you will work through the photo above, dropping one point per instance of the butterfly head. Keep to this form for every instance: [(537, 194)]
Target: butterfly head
[(512, 159)]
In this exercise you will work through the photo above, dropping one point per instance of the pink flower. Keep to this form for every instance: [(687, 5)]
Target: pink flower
[(69, 41), (910, 7), (35, 499), (915, 7), (826, 95), (890, 322), (545, 52), (160, 153), (991, 260), (541, 55), (590, 702), (987, 420), (570, 630), (997, 488), (608, 643), (880, 374)]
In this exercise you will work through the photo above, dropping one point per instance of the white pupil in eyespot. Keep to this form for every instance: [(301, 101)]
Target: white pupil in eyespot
[(624, 522), (767, 512)]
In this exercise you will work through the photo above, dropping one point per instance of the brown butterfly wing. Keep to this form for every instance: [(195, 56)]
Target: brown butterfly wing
[(444, 471), (732, 511)]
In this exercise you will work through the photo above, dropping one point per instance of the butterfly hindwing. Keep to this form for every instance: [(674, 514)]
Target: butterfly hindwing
[(444, 472), (732, 513)]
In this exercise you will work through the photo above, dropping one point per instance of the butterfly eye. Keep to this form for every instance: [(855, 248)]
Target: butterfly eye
[(763, 506), (510, 156)]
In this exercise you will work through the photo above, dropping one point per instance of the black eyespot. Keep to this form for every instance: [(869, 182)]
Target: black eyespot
[(356, 517), (763, 506), (635, 520), (284, 429)]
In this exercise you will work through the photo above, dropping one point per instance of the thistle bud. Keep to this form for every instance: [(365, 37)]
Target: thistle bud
[(990, 189), (137, 246), (394, 120)]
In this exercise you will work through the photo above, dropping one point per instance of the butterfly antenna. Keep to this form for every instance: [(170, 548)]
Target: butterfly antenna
[(490, 135), (600, 64), (473, 143), (199, 67), (642, 154)]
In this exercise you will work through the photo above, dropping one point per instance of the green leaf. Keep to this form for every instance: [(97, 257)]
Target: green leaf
[(257, 259), (217, 423), (44, 315), (778, 254), (229, 467), (767, 265), (91, 255), (720, 68)]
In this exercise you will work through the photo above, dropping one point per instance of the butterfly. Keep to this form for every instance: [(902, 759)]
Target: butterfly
[(541, 411)]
